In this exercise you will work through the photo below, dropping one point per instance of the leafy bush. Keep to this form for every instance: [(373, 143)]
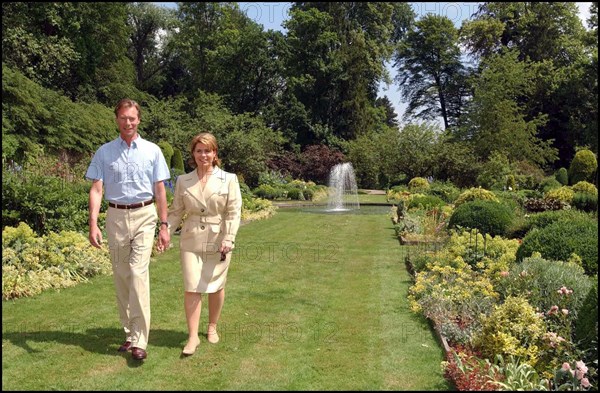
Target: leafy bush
[(562, 176), (513, 328), (585, 202), (447, 191), (45, 203), (584, 187), (418, 184), (583, 167), (564, 194), (545, 218), (475, 193), (550, 183), (426, 202), (558, 241), (32, 264), (177, 160), (586, 324), (296, 194), (544, 204), (539, 280), (167, 150), (267, 191), (487, 216)]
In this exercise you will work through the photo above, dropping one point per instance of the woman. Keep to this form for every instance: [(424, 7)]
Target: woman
[(210, 200)]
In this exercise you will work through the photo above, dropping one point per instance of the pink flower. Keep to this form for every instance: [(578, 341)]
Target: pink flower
[(566, 366), (581, 366), (565, 311), (504, 274), (585, 382), (553, 310)]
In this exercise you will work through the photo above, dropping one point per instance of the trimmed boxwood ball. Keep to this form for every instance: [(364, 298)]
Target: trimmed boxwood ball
[(559, 240), (489, 217)]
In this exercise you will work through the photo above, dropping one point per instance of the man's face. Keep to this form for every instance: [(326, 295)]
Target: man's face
[(128, 121)]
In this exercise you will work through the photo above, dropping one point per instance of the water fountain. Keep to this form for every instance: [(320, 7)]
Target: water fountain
[(343, 194)]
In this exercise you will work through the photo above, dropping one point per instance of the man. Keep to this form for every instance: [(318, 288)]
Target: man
[(132, 171)]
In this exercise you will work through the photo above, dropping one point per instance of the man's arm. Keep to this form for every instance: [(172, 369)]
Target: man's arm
[(95, 235), (160, 196)]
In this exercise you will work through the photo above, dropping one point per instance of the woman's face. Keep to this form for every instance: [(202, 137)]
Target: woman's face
[(204, 156)]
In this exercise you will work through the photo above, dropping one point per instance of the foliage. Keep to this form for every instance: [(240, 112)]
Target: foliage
[(535, 205), (428, 82), (542, 281), (563, 194), (418, 184), (558, 241), (586, 323), (33, 115), (494, 172), (426, 202), (446, 190), (585, 202), (550, 183), (513, 328), (44, 195), (318, 161), (177, 160), (585, 188), (545, 218), (31, 264), (518, 376), (452, 294), (583, 167), (167, 151), (474, 194), (487, 216), (562, 176), (468, 372), (495, 118)]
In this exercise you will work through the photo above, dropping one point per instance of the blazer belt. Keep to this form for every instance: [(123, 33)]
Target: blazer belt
[(204, 219)]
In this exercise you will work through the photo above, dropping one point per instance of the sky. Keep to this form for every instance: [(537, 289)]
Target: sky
[(272, 14)]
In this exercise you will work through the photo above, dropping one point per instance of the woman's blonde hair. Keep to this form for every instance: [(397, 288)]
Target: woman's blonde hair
[(209, 140)]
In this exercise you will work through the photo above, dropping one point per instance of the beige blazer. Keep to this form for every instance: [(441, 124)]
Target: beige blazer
[(210, 216)]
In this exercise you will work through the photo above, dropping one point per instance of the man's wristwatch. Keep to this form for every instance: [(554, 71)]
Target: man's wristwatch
[(165, 223)]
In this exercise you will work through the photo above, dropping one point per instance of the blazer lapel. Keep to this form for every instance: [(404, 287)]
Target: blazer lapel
[(214, 183), (194, 189)]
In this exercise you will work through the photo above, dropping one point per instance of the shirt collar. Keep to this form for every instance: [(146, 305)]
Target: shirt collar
[(134, 142)]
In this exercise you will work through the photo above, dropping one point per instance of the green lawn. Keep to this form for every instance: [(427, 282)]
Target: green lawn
[(313, 302)]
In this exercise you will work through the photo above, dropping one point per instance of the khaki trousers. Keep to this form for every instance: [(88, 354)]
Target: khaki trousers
[(130, 240)]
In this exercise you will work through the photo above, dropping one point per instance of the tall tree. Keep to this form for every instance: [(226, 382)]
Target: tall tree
[(149, 47), (551, 35), (337, 59), (429, 70), (496, 122)]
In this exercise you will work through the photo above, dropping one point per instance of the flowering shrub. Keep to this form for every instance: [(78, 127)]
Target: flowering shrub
[(573, 376), (453, 295)]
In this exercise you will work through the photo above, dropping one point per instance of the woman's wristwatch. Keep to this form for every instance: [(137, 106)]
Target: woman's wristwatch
[(165, 223)]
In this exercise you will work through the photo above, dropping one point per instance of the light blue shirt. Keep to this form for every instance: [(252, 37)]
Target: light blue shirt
[(128, 173)]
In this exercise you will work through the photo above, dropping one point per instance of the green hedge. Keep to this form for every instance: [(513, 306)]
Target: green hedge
[(559, 240), (487, 216)]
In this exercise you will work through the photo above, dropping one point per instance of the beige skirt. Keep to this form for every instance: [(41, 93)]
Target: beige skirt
[(204, 272)]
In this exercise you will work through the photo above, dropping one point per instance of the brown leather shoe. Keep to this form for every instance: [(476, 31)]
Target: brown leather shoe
[(138, 353), (125, 346)]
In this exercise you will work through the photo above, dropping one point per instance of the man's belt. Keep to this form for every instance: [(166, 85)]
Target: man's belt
[(131, 206)]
